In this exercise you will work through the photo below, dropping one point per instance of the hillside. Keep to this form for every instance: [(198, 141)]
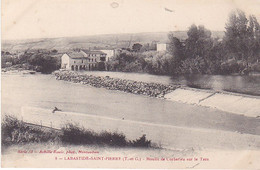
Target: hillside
[(94, 41)]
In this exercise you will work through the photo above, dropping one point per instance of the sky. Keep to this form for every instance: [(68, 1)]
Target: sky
[(26, 19)]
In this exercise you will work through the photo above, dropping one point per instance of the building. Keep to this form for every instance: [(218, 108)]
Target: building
[(161, 47), (83, 60), (110, 53)]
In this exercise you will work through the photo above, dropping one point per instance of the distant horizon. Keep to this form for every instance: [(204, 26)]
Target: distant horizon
[(41, 19), (102, 35)]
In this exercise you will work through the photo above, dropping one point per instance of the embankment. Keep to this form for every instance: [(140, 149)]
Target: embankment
[(167, 136), (130, 86)]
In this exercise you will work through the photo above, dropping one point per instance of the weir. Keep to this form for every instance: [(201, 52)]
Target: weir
[(230, 102), (226, 101)]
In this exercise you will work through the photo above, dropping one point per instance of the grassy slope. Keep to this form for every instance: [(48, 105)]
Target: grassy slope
[(103, 41)]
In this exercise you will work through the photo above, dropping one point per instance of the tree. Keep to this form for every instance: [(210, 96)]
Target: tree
[(199, 42), (101, 66), (242, 37), (176, 49), (54, 51), (136, 47), (197, 50), (44, 63)]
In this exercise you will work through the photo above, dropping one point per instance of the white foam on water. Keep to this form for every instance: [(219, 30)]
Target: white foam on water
[(238, 104), (187, 96)]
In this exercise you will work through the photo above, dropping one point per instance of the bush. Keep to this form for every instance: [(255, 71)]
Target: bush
[(72, 134), (15, 131), (112, 139), (46, 64), (195, 65), (141, 142)]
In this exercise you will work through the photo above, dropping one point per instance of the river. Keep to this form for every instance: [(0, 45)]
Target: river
[(45, 91), (248, 84)]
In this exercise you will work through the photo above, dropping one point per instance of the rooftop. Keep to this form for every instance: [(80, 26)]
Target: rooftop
[(76, 55), (83, 54), (93, 52)]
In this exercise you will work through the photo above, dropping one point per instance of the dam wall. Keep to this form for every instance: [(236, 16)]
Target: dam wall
[(230, 102)]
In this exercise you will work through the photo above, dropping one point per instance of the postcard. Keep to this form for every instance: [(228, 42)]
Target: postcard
[(142, 84)]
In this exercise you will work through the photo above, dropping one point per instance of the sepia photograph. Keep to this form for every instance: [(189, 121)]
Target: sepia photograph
[(130, 84)]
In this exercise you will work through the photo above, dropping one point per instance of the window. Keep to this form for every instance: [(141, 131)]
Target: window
[(74, 61), (95, 60), (82, 61)]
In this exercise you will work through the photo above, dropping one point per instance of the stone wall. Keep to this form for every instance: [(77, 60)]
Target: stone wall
[(130, 86)]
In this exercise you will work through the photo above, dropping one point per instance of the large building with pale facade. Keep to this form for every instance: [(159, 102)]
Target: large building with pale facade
[(83, 60)]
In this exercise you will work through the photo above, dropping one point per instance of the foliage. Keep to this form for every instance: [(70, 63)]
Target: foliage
[(101, 66), (73, 134), (141, 142), (242, 39), (195, 65), (15, 131), (137, 47), (44, 63), (238, 52), (38, 60), (198, 43), (76, 135)]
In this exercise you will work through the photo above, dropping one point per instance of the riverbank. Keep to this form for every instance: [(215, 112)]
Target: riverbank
[(18, 69), (18, 132), (129, 86), (180, 137)]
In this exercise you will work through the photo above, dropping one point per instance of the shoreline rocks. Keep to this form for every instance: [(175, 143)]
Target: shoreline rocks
[(129, 86)]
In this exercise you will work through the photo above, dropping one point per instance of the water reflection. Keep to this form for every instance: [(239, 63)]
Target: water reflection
[(240, 84), (249, 84)]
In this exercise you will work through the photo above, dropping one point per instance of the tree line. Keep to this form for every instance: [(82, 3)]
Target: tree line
[(238, 51), (43, 61)]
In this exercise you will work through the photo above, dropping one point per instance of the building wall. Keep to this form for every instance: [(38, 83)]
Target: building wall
[(89, 63), (65, 62), (161, 47), (80, 64), (110, 53), (94, 58)]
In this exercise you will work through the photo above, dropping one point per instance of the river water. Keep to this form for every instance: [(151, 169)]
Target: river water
[(45, 91), (248, 84)]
